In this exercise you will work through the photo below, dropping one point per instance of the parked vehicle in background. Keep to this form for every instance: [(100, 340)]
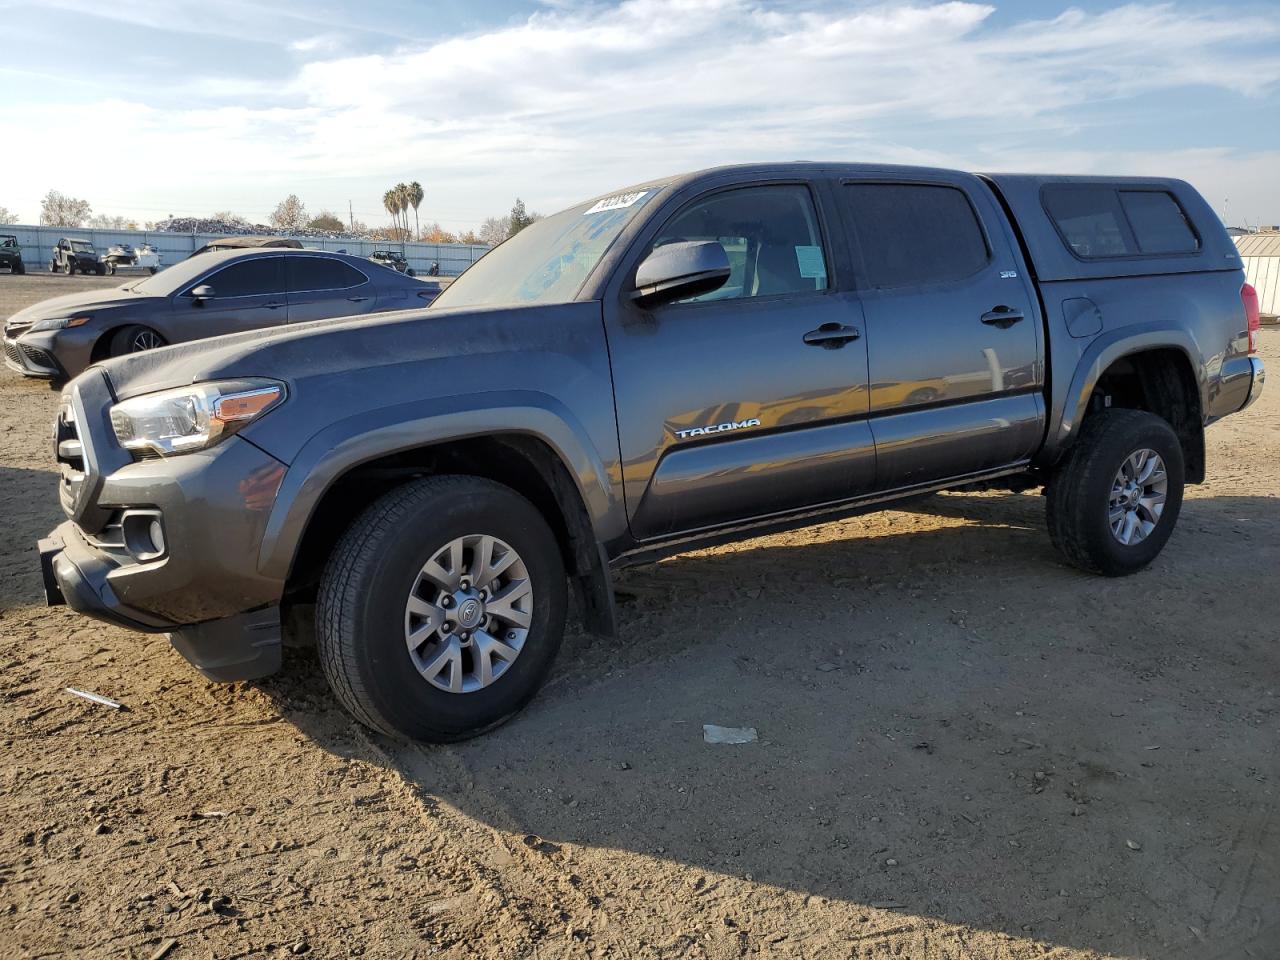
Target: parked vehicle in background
[(216, 293), (11, 254), (248, 243), (393, 259), (687, 362), (118, 255), (75, 256), (147, 257)]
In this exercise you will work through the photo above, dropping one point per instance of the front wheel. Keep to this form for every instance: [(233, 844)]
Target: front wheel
[(1114, 500), (134, 339), (19, 268), (441, 609), (68, 268)]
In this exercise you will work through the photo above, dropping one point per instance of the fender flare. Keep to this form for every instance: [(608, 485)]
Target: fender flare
[(371, 434), (1101, 354)]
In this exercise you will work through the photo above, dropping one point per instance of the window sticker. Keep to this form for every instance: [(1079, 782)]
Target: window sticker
[(617, 202), (809, 259)]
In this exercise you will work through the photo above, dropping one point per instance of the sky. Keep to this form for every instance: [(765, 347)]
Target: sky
[(148, 108)]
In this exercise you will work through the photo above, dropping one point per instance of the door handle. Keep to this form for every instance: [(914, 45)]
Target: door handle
[(273, 306), (357, 299), (1002, 317), (831, 336)]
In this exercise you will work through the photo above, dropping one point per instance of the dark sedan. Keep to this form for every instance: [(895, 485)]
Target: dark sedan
[(215, 293)]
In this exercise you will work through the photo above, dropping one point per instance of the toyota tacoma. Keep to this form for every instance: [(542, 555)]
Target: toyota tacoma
[(686, 362)]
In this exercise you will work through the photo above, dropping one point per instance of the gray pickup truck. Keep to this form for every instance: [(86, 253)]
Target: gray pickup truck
[(689, 361)]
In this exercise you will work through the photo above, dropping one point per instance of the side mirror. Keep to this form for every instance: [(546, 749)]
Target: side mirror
[(675, 271), (200, 294)]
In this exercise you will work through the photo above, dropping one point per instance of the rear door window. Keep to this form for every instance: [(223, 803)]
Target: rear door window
[(769, 233), (307, 274), (248, 278), (1099, 220), (913, 234)]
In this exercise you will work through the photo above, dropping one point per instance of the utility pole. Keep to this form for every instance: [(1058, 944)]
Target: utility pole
[(351, 217)]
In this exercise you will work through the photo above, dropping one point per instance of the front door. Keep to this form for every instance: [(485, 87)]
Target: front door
[(247, 295), (321, 287), (953, 330), (750, 400)]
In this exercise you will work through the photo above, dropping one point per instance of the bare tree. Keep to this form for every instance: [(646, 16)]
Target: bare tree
[(102, 221), (59, 210), (494, 230), (290, 214), (229, 217), (6, 216)]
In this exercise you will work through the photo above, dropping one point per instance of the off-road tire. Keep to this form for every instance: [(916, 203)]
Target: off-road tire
[(123, 341), (19, 268), (69, 268), (100, 270), (360, 610), (1079, 492)]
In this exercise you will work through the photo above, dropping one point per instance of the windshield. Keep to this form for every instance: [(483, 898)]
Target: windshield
[(81, 246), (549, 260)]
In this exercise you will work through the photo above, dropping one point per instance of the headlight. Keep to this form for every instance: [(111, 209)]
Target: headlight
[(192, 418), (58, 323)]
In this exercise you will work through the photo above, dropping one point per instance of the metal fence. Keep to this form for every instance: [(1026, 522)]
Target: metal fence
[(38, 242)]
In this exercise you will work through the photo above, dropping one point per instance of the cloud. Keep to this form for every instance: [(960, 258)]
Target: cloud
[(580, 98)]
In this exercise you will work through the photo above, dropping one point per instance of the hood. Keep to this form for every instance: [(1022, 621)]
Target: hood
[(320, 348), (70, 303)]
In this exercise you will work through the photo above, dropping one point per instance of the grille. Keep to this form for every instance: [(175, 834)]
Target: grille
[(40, 357), (11, 352)]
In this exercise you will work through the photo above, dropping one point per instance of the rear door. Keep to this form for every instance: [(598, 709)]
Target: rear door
[(953, 330), (321, 287), (743, 402), (248, 295)]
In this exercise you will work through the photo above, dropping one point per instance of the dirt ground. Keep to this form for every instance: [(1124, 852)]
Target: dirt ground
[(967, 750)]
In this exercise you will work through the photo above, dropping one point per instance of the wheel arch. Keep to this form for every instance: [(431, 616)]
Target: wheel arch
[(328, 495), (1155, 371), (101, 349)]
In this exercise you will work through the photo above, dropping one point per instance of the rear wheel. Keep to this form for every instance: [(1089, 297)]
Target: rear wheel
[(69, 268), (134, 339), (441, 609), (1113, 503), (101, 269)]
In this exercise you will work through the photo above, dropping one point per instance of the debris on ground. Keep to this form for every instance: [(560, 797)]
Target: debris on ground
[(95, 698), (715, 734)]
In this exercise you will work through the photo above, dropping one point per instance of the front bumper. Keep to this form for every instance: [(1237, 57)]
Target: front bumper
[(31, 359), (165, 545), (246, 646)]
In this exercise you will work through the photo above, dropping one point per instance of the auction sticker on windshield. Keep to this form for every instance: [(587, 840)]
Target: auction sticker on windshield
[(617, 202)]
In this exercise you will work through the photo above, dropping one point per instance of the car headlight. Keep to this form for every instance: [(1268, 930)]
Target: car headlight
[(58, 323), (192, 418)]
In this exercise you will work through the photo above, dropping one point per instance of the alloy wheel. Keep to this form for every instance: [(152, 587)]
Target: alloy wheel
[(1138, 494), (468, 613)]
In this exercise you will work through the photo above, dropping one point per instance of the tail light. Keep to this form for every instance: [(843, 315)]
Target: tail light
[(1252, 314)]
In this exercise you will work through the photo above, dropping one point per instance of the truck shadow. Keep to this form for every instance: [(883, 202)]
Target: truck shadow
[(29, 508), (950, 721)]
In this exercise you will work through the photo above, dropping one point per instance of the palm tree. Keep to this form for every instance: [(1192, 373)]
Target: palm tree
[(416, 196), (392, 204)]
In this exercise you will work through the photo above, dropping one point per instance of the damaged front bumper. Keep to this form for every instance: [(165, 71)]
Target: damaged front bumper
[(244, 646)]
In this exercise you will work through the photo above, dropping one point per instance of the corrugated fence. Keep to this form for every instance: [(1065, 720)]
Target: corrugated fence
[(1261, 255), (37, 245)]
